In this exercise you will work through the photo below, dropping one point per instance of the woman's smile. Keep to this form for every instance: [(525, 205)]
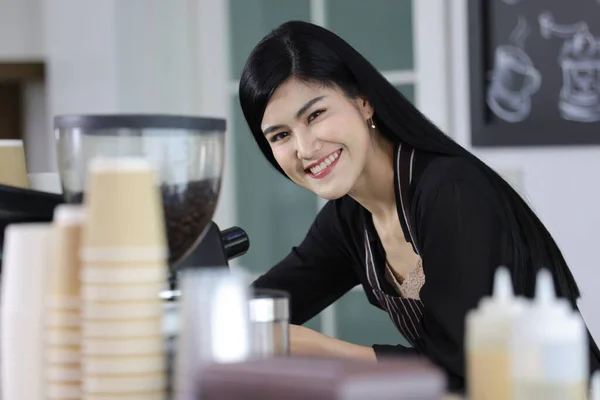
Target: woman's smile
[(324, 166)]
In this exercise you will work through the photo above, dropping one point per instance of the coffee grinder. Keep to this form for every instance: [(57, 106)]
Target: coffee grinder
[(189, 155)]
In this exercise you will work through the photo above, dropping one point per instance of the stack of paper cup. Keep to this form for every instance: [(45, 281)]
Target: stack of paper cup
[(124, 269), (63, 307), (27, 249)]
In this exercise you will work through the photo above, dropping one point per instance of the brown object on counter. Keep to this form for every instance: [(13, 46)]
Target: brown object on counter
[(13, 165), (293, 378)]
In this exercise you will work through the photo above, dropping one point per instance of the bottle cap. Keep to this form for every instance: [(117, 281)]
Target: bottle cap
[(544, 293), (503, 297), (549, 341), (490, 324)]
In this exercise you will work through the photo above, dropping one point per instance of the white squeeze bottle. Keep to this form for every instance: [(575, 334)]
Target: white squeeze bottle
[(549, 348), (488, 337), (595, 386)]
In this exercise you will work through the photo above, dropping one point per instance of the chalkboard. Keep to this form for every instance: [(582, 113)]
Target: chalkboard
[(534, 72)]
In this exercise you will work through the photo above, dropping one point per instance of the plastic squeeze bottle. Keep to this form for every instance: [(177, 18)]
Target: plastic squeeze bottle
[(595, 386), (488, 336), (549, 348)]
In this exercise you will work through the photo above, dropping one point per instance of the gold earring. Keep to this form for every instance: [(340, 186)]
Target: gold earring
[(371, 122)]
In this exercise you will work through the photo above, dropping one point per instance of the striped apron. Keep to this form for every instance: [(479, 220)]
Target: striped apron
[(406, 313)]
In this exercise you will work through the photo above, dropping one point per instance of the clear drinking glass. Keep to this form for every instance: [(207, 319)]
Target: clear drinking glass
[(214, 325)]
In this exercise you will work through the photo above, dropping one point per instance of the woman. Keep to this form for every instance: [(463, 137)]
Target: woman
[(413, 217)]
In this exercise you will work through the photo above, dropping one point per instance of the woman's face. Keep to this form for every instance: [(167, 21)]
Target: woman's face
[(319, 136)]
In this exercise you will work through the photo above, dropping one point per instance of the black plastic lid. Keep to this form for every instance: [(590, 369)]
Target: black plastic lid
[(23, 205), (18, 203), (138, 121)]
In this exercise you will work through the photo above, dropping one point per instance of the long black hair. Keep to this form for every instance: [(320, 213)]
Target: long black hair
[(313, 54)]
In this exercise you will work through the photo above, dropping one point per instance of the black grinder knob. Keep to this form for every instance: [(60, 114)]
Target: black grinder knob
[(235, 242)]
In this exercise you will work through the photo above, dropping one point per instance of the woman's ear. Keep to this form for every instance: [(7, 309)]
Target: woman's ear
[(365, 107)]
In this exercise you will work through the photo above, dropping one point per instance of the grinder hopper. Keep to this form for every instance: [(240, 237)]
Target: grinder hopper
[(188, 153)]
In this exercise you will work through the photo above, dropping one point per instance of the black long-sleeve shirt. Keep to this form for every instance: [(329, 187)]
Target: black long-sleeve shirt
[(453, 222)]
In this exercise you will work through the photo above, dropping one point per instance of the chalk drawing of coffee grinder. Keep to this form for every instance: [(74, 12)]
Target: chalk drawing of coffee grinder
[(580, 62), (514, 78)]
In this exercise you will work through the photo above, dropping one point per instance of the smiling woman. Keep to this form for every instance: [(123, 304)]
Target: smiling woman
[(417, 220), (321, 139)]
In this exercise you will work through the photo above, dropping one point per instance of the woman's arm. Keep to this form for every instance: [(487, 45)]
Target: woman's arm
[(307, 342), (316, 274), (318, 271)]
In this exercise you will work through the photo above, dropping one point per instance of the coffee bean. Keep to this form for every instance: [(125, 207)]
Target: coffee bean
[(188, 210)]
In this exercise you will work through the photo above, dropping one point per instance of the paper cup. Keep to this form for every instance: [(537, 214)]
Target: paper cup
[(63, 374), (63, 355), (63, 303), (122, 329), (22, 371), (125, 384), (100, 311), (13, 166), (65, 391), (121, 365), (123, 254), (133, 396), (126, 273), (63, 282), (145, 346), (24, 271), (63, 319), (110, 293), (124, 205), (27, 249), (61, 337)]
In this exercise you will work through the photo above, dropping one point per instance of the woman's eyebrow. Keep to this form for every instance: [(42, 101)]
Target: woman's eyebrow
[(308, 105), (299, 114)]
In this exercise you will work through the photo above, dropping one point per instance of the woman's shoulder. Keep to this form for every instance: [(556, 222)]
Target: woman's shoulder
[(440, 170)]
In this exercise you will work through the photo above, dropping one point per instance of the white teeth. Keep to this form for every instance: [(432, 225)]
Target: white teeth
[(328, 161)]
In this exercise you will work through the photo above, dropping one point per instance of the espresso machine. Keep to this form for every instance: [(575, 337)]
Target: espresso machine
[(189, 155)]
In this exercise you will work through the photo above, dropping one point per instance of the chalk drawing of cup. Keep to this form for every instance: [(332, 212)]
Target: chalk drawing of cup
[(514, 81)]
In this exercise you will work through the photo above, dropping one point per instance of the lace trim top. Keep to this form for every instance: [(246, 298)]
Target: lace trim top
[(412, 283)]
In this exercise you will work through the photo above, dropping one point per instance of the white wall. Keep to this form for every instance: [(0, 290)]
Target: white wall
[(81, 60), (212, 63), (155, 48), (36, 135), (21, 25), (21, 30), (560, 183)]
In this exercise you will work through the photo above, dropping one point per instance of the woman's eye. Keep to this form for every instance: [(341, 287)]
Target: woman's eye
[(314, 115), (278, 136)]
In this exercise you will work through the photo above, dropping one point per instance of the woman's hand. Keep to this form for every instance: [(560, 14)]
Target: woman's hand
[(307, 342)]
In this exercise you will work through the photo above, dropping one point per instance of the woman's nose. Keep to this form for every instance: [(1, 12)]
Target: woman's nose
[(307, 146)]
